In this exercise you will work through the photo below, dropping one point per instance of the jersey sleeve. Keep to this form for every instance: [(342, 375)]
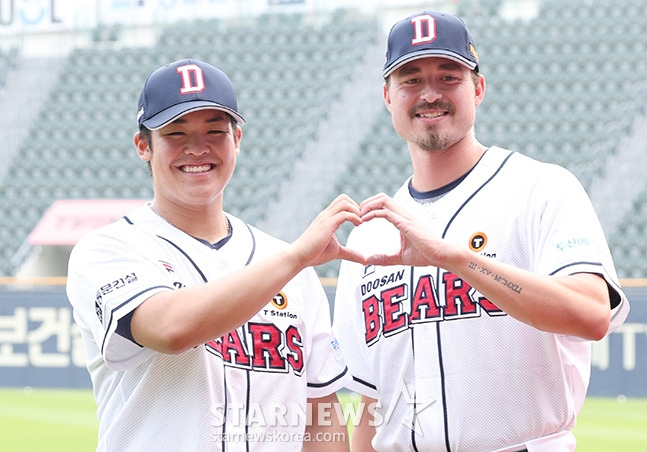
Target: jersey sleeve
[(325, 368), (107, 279), (348, 328), (573, 240)]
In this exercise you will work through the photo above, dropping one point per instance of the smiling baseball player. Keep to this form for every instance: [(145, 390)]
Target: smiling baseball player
[(201, 332), (470, 331)]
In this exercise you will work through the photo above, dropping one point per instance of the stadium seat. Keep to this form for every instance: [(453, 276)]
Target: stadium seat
[(563, 87)]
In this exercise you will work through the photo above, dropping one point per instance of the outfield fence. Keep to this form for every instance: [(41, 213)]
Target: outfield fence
[(40, 345)]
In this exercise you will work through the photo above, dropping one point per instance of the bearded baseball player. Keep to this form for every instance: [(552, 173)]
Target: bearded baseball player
[(201, 332), (488, 275)]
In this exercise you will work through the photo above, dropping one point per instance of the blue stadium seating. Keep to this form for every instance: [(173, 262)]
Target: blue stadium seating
[(562, 87), (81, 146)]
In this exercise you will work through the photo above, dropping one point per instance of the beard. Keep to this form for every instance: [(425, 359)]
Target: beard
[(433, 141)]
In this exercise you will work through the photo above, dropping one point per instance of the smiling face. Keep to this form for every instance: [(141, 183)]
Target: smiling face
[(191, 159), (433, 102)]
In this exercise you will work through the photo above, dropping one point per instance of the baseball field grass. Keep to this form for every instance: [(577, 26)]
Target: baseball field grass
[(39, 420)]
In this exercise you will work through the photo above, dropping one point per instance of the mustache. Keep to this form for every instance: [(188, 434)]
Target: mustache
[(436, 105)]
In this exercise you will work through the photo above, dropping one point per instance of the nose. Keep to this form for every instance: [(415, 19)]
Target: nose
[(197, 145), (430, 92)]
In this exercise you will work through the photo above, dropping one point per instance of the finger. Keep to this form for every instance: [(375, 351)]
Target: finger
[(344, 200), (342, 204), (381, 202), (387, 214), (346, 197), (351, 255), (376, 199), (383, 259), (387, 209), (344, 214)]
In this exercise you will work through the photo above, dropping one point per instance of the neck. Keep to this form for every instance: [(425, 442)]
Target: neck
[(207, 224)]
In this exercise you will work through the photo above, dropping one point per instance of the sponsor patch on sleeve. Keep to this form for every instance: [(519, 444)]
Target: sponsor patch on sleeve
[(336, 349)]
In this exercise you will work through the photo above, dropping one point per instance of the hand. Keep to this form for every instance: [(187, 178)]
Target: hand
[(418, 245), (318, 243)]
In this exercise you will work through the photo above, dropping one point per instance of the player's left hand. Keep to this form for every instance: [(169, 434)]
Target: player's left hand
[(418, 245)]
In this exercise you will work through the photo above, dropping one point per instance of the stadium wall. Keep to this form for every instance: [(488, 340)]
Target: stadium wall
[(40, 345)]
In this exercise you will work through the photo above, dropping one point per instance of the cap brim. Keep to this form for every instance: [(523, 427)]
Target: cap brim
[(427, 54), (169, 115)]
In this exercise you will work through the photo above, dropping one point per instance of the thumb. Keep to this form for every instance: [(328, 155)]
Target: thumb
[(383, 259), (351, 255)]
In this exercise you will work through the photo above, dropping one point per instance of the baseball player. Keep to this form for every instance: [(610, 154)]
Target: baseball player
[(488, 275), (201, 332)]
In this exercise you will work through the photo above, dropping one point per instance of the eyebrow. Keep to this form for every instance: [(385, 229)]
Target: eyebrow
[(451, 65), (413, 69), (218, 117), (407, 70)]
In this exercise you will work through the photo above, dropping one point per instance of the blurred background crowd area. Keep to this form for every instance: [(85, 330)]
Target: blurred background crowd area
[(566, 84)]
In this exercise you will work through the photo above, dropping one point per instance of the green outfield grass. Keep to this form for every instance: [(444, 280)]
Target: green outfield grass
[(65, 421), (42, 420)]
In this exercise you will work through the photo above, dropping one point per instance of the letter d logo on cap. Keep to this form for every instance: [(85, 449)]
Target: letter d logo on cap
[(422, 24), (192, 79)]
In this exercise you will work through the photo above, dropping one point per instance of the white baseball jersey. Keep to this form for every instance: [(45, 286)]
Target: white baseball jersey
[(450, 370), (198, 400)]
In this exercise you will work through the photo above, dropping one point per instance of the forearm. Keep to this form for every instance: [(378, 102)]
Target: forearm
[(364, 431), (576, 305), (174, 321), (325, 433)]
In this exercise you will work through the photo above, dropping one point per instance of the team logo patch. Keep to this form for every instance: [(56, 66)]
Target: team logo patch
[(167, 266), (474, 52), (478, 241), (280, 301), (424, 29), (192, 79), (336, 349), (98, 306)]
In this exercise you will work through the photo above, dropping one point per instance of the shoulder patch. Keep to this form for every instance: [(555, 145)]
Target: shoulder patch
[(280, 301)]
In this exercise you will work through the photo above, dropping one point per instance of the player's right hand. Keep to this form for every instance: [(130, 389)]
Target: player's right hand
[(318, 243), (418, 245)]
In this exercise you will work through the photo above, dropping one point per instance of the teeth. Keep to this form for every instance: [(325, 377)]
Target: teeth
[(431, 115), (196, 169)]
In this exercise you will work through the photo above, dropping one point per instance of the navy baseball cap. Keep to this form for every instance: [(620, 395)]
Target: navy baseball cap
[(430, 34), (182, 87)]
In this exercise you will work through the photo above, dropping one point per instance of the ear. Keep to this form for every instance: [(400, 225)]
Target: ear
[(386, 96), (143, 149), (479, 91), (239, 135)]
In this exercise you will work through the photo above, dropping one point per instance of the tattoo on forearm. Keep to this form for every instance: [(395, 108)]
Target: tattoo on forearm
[(500, 279)]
